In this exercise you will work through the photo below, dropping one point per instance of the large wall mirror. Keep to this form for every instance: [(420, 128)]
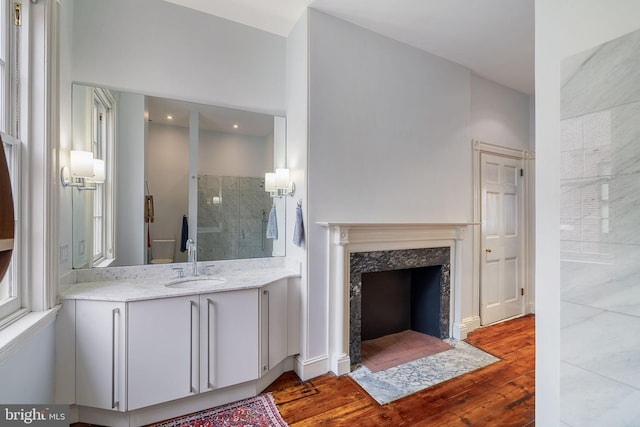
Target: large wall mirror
[(173, 170)]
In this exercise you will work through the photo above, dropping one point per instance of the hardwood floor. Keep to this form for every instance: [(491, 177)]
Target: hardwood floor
[(502, 394)]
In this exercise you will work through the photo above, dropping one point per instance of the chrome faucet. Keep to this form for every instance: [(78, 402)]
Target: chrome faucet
[(192, 256)]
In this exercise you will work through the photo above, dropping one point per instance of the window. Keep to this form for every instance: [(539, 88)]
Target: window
[(586, 145), (99, 135), (4, 80), (10, 290), (102, 147)]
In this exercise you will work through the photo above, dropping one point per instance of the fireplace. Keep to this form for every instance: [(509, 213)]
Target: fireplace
[(410, 276), (357, 248)]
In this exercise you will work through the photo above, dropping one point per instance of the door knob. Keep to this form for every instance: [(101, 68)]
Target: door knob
[(487, 250)]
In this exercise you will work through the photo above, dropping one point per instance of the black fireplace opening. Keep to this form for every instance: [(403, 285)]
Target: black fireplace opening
[(399, 300)]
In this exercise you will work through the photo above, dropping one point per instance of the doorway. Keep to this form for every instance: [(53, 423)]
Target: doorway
[(501, 254)]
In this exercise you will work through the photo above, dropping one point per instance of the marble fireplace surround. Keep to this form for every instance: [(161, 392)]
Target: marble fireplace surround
[(348, 238), (378, 261)]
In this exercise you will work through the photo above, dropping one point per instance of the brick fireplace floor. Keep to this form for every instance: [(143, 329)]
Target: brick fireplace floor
[(395, 349)]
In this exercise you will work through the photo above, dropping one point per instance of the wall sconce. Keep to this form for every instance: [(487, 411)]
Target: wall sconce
[(279, 184), (83, 169)]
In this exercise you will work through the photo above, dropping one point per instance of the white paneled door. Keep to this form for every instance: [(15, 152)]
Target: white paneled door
[(502, 257)]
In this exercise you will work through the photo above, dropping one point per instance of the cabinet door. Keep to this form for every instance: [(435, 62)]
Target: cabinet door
[(273, 324), (100, 354), (163, 350), (228, 338)]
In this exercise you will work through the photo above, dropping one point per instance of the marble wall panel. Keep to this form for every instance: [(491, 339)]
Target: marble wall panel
[(604, 77), (600, 235), (232, 217)]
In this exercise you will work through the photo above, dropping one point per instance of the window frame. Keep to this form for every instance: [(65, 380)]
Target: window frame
[(105, 190), (16, 305), (33, 119)]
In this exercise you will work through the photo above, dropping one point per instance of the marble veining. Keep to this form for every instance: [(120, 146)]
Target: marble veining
[(600, 237), (232, 217), (400, 381), (366, 262)]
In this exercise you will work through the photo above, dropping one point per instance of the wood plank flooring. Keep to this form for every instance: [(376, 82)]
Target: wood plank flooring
[(502, 394)]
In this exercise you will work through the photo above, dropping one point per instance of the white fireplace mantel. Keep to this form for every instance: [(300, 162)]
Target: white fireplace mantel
[(346, 238)]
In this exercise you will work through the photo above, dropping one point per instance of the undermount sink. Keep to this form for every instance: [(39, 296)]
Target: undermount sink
[(196, 283)]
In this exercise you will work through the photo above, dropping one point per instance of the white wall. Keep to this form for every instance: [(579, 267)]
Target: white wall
[(168, 177), (30, 371), (499, 115), (234, 155), (563, 28), (386, 121), (158, 48), (296, 154)]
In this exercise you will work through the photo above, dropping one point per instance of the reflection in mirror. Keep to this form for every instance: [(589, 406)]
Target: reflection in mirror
[(93, 132), (184, 170)]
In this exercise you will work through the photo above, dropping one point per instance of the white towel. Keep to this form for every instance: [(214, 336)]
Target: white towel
[(272, 224), (298, 231)]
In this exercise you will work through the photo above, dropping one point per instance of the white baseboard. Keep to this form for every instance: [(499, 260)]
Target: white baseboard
[(341, 364), (307, 369), (460, 330), (531, 308)]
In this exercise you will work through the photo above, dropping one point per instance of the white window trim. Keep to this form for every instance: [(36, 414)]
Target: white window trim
[(42, 142), (19, 333), (40, 173), (17, 308), (109, 101)]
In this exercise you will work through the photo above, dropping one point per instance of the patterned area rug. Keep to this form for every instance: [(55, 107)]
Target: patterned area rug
[(259, 411), (400, 381)]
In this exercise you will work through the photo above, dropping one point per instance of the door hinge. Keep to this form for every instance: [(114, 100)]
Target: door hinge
[(521, 291), (17, 14), (521, 172)]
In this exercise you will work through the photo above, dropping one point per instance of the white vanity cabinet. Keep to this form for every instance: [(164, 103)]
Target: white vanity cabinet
[(154, 358), (100, 354), (163, 350), (228, 338), (274, 331)]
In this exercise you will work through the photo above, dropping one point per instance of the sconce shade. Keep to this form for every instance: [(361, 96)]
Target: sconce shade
[(270, 182), (99, 174), (282, 179), (279, 183), (81, 164)]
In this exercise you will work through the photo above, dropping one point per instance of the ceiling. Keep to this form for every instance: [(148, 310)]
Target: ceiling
[(210, 118), (494, 38)]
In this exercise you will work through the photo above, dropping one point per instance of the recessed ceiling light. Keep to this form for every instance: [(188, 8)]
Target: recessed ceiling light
[(169, 116), (236, 126)]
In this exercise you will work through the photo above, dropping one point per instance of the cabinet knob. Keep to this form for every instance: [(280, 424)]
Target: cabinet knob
[(487, 250)]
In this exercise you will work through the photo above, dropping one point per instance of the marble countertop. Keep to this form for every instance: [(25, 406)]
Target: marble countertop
[(136, 289)]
